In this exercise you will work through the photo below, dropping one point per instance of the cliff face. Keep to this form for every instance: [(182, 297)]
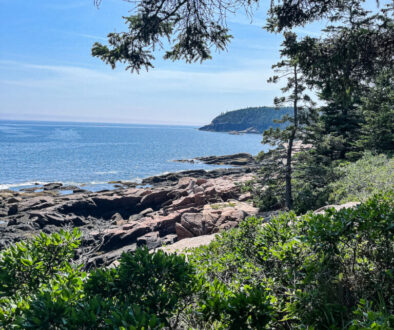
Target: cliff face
[(249, 120)]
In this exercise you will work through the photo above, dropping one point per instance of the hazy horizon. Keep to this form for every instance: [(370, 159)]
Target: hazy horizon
[(47, 71)]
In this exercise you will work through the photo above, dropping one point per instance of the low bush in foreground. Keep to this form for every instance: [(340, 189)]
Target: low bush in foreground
[(326, 271)]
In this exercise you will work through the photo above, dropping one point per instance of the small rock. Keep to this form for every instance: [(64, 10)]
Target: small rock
[(13, 209), (52, 186), (14, 200), (146, 211), (150, 240)]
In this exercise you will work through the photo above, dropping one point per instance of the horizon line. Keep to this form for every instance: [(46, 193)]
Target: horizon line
[(101, 122)]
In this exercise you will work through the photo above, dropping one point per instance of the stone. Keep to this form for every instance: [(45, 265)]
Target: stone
[(146, 211), (183, 202), (184, 182), (77, 221), (115, 239), (169, 239), (52, 186), (182, 232), (337, 207), (155, 199), (117, 220), (165, 224), (244, 197), (13, 209), (14, 200), (135, 217), (150, 240), (84, 207)]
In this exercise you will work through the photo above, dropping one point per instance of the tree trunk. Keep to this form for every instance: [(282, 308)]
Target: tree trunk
[(288, 192)]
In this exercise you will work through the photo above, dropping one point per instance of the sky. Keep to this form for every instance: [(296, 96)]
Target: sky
[(47, 71)]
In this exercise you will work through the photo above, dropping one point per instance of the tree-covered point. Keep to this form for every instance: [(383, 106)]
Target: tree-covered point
[(256, 120)]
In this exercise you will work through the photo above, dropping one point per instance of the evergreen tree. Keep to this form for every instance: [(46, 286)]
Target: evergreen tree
[(378, 113), (278, 166), (188, 30), (342, 67)]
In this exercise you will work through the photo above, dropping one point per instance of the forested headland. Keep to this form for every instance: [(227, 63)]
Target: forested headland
[(249, 120)]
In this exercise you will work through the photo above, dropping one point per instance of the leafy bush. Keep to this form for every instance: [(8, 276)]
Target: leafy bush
[(311, 272), (363, 178), (145, 290), (38, 275), (325, 271), (40, 288)]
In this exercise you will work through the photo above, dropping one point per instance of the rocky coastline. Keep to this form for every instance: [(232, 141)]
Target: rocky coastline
[(159, 211)]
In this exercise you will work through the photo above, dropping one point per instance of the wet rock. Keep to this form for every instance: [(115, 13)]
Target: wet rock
[(52, 186), (118, 220)]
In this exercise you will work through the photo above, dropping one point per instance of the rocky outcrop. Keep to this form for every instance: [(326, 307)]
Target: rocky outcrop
[(173, 178), (123, 219), (240, 159)]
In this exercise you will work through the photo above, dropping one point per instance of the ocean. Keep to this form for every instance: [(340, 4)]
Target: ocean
[(92, 154)]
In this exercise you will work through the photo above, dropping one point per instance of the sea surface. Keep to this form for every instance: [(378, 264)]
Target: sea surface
[(91, 155)]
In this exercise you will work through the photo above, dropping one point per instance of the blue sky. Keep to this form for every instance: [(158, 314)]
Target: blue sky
[(47, 72)]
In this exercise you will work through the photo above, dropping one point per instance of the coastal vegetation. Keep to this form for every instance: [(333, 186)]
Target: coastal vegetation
[(322, 271)]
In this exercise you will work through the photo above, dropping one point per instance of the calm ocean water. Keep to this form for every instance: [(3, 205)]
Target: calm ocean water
[(93, 154)]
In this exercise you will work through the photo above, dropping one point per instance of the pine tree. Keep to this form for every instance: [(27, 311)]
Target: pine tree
[(278, 166)]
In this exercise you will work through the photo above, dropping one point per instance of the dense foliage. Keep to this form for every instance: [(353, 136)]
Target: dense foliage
[(259, 118), (362, 179), (40, 288), (332, 270), (350, 67)]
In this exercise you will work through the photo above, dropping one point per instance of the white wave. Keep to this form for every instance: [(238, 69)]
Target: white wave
[(108, 172), (21, 184)]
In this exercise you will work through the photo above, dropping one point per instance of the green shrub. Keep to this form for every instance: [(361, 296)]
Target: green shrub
[(313, 270), (156, 286), (316, 271), (33, 272), (363, 178), (41, 289)]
